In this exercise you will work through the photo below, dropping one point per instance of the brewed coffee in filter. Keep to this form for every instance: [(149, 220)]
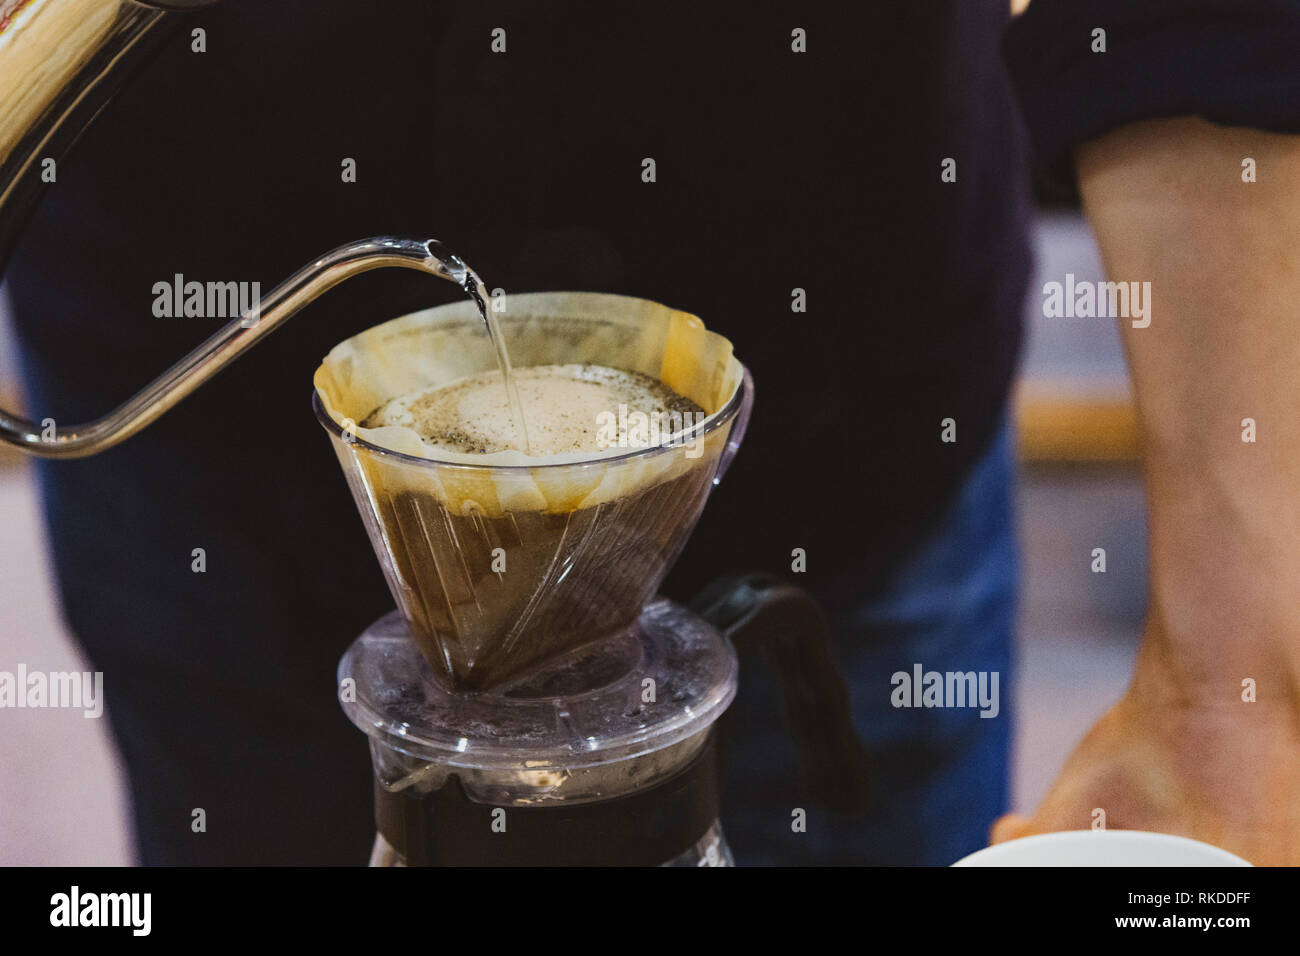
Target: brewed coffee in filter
[(501, 559)]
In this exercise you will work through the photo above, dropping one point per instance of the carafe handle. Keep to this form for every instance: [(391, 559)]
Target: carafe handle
[(765, 617)]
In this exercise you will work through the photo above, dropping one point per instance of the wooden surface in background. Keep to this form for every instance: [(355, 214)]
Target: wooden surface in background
[(1054, 425)]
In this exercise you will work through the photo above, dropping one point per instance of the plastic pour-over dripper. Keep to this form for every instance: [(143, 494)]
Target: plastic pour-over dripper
[(500, 563)]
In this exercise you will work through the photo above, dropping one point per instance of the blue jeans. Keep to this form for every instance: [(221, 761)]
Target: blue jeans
[(939, 774)]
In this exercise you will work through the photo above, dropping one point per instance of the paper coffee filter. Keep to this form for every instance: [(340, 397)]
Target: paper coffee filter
[(442, 345)]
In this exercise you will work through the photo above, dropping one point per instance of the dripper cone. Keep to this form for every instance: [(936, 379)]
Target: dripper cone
[(501, 562)]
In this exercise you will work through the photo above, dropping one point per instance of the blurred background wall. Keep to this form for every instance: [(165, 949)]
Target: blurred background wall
[(1080, 489), (61, 789)]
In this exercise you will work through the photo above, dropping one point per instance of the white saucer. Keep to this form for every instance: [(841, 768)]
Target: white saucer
[(1102, 848)]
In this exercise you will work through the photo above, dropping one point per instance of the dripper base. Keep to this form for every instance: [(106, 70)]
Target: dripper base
[(603, 720)]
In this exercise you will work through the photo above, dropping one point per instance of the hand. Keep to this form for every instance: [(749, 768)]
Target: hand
[(1222, 771), (1181, 752)]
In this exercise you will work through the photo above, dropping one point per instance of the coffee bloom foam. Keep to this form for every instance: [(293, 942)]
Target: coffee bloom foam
[(418, 354), (575, 409)]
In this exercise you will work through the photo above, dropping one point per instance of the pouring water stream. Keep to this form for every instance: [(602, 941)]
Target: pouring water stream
[(448, 265)]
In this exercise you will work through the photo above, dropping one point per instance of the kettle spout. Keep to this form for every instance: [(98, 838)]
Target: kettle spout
[(236, 337)]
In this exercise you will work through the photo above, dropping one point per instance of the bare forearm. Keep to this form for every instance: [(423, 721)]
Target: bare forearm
[(1168, 204)]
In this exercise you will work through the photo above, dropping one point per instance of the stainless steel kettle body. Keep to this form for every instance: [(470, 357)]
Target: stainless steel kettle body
[(60, 60)]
